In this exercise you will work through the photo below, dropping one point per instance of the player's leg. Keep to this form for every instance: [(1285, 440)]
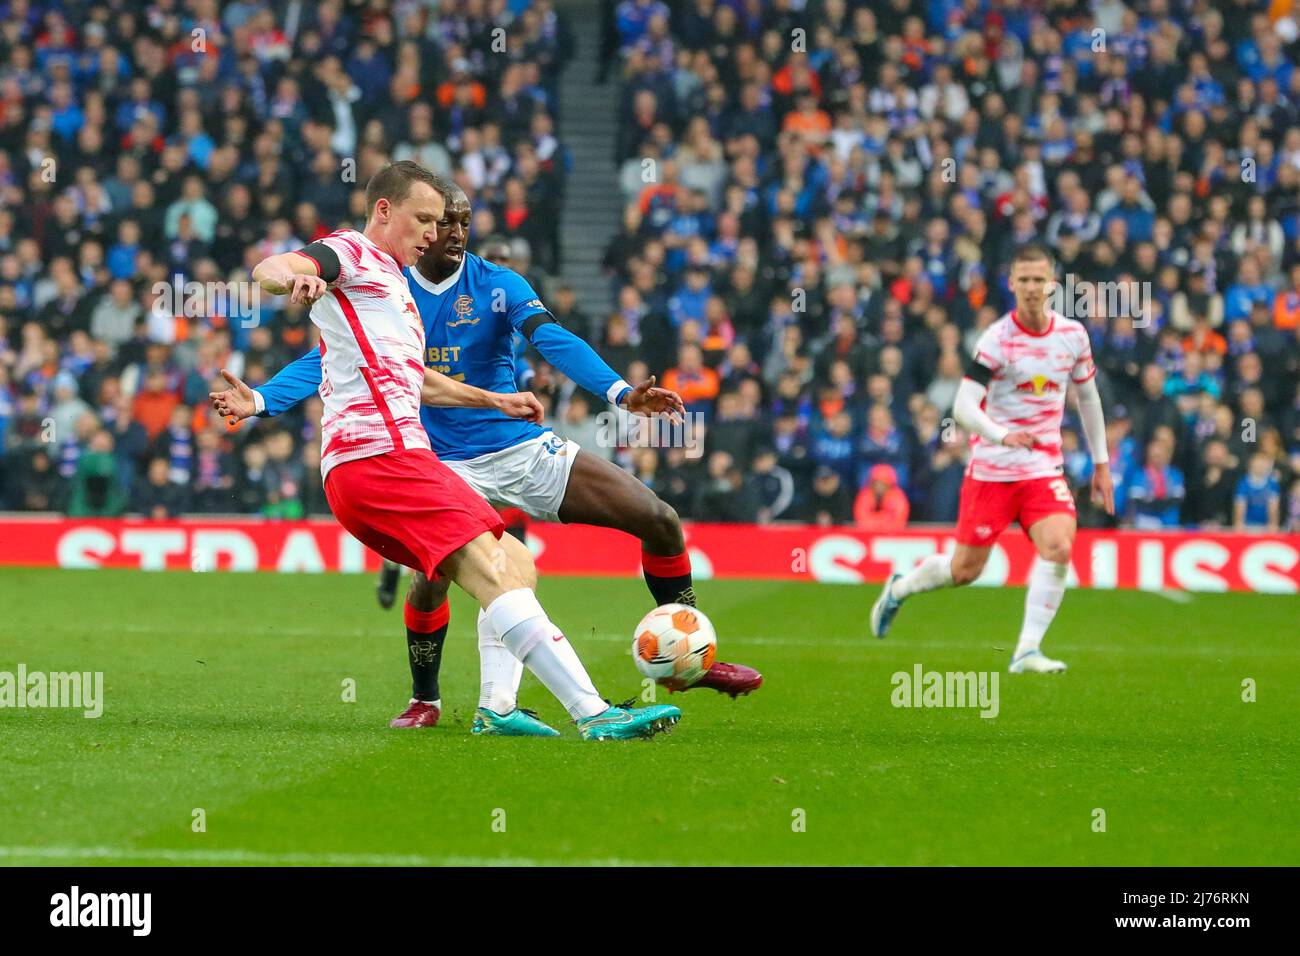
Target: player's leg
[(959, 568), (500, 672), (483, 568), (390, 575), (602, 494), (383, 501), (427, 616), (987, 507), (411, 508), (1053, 538)]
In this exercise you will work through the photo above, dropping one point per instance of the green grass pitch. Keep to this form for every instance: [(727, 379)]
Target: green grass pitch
[(224, 693)]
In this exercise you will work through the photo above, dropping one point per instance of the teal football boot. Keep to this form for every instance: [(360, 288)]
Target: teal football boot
[(626, 722), (517, 723), (885, 608)]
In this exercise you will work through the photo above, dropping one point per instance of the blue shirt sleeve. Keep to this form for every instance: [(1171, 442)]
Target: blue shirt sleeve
[(521, 301), (576, 359), (296, 382), (560, 347)]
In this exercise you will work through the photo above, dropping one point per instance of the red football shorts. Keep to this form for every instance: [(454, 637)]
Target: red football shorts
[(987, 507), (408, 506)]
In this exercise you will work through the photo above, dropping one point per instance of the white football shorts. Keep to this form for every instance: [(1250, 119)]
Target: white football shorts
[(531, 476)]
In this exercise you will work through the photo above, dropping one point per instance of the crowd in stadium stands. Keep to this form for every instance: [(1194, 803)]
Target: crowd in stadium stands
[(821, 199)]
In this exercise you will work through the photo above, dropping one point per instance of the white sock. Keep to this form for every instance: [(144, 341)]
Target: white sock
[(1046, 589), (931, 574), (529, 634), (499, 671)]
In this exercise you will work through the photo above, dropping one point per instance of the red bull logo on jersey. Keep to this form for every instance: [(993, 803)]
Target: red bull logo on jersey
[(1039, 384)]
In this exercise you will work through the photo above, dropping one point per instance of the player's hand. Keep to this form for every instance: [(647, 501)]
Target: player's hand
[(647, 399), (235, 403), (1103, 488), (1019, 440), (306, 289), (521, 405)]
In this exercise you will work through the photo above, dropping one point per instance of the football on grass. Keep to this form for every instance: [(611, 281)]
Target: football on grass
[(676, 642)]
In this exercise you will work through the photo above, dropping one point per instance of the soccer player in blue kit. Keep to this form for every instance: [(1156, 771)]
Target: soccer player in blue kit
[(471, 310)]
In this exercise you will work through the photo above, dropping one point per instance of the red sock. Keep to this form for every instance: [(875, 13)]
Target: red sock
[(669, 577), (425, 633)]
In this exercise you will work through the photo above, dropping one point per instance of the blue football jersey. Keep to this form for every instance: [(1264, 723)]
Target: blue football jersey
[(475, 322), (470, 319)]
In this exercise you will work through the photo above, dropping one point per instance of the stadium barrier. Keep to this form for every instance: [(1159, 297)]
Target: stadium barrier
[(1178, 560)]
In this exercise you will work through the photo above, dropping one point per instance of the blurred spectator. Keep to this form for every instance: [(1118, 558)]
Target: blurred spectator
[(1157, 490), (723, 495), (97, 490), (213, 474), (773, 486), (158, 497), (250, 485), (830, 502), (155, 403), (948, 468), (881, 504), (1256, 504), (1210, 498), (39, 486), (282, 477), (693, 380)]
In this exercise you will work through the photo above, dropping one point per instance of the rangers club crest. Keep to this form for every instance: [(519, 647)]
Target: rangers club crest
[(464, 308)]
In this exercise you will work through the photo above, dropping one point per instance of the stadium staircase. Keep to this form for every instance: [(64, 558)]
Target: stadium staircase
[(588, 127)]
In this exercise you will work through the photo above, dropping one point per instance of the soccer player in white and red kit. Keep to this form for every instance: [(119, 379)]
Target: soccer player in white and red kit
[(1011, 401), (383, 482)]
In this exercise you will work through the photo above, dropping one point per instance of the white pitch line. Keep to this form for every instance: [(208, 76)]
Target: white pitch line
[(259, 858), (864, 641), (1172, 594)]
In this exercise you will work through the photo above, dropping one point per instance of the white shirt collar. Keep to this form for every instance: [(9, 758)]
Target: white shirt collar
[(437, 288)]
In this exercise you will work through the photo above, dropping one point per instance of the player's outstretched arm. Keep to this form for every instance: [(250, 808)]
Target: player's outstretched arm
[(293, 384), (235, 403), (292, 274), (579, 361), (648, 399), (444, 391)]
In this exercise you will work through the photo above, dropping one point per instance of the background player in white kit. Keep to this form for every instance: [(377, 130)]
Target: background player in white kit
[(1012, 401)]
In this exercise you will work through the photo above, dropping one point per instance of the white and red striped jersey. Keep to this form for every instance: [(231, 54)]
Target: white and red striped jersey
[(1031, 371), (372, 355)]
